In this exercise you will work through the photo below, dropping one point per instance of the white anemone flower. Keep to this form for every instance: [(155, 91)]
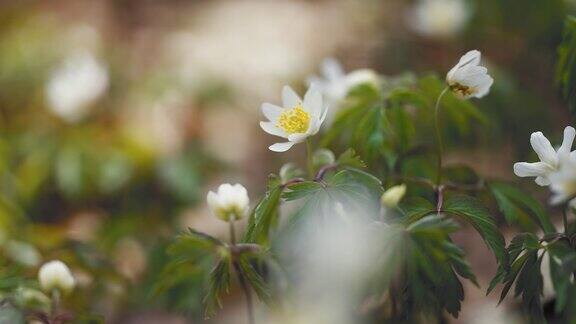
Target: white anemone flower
[(549, 157), (563, 181), (75, 85), (468, 79), (55, 275), (229, 202), (297, 120), (334, 83)]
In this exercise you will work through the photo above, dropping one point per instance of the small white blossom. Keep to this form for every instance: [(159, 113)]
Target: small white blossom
[(297, 120), (439, 18), (334, 83), (55, 275), (75, 85), (549, 157), (392, 196), (468, 79), (229, 202), (563, 181)]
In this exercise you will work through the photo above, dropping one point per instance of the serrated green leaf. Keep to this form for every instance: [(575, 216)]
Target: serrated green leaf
[(512, 201), (472, 211), (415, 208), (263, 218), (255, 280), (219, 284)]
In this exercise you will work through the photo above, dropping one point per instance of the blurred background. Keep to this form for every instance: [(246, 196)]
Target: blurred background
[(117, 116)]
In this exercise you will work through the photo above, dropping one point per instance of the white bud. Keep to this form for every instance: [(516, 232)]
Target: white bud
[(55, 275), (229, 202), (391, 197)]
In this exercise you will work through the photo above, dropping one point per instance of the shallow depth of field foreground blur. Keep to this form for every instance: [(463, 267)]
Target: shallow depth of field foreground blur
[(118, 116)]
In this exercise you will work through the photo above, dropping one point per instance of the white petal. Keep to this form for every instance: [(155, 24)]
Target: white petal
[(543, 148), (470, 58), (332, 69), (569, 134), (289, 98), (297, 137), (313, 101), (484, 88), (281, 147), (272, 129), (272, 112), (542, 181), (525, 169)]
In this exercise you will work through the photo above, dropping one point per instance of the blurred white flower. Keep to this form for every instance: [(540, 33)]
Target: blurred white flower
[(439, 18), (549, 158), (563, 181), (229, 202), (297, 120), (334, 83), (23, 253), (55, 275), (468, 79), (392, 196), (75, 85)]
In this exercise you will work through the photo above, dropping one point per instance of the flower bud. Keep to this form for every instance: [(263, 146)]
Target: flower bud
[(393, 195), (323, 157), (55, 275), (230, 202)]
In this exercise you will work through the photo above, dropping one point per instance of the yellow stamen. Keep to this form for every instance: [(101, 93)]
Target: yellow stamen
[(462, 90), (294, 120)]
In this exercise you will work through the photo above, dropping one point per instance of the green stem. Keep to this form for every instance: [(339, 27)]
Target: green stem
[(241, 279), (439, 136), (310, 162)]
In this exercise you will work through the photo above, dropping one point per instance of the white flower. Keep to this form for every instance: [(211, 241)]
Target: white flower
[(467, 79), (75, 85), (549, 158), (55, 275), (392, 196), (334, 83), (439, 18), (296, 120), (563, 181), (230, 202)]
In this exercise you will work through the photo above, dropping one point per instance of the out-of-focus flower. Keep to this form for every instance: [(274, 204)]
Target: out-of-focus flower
[(23, 253), (75, 85), (215, 49), (467, 79), (230, 202), (563, 181), (392, 196), (55, 275), (549, 158), (297, 120), (439, 18), (130, 258), (157, 125), (334, 83)]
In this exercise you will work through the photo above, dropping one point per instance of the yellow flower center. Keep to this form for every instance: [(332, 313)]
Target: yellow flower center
[(294, 120), (462, 90)]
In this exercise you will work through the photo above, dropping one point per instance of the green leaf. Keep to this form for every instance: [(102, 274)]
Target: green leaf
[(255, 280), (263, 217), (350, 159), (219, 283), (514, 203), (472, 211), (562, 267), (415, 208)]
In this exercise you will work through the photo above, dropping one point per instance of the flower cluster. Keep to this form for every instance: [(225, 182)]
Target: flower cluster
[(556, 168)]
